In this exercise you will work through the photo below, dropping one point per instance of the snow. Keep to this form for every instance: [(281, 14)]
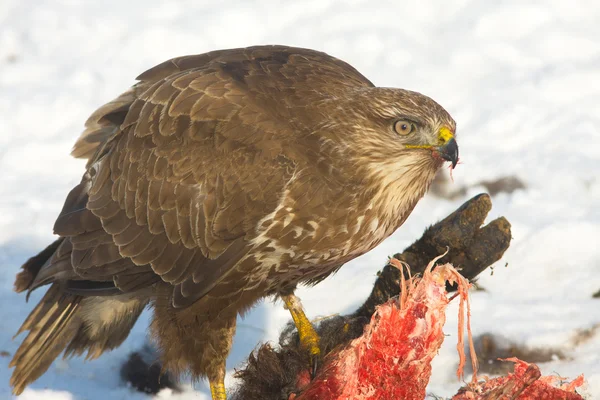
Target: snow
[(522, 79)]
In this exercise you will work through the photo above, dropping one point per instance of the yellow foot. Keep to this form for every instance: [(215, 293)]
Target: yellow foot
[(309, 338), (217, 390)]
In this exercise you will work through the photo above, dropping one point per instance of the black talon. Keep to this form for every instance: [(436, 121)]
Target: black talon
[(314, 364)]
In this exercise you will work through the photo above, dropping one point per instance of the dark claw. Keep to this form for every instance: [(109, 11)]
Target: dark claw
[(314, 365)]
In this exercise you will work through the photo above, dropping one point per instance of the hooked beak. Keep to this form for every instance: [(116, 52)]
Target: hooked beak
[(449, 151)]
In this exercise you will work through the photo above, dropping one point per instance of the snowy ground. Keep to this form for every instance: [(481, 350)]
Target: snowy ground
[(522, 79)]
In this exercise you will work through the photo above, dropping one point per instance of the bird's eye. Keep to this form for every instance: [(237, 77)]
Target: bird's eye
[(403, 127)]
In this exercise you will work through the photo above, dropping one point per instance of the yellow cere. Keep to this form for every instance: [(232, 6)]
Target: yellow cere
[(445, 135)]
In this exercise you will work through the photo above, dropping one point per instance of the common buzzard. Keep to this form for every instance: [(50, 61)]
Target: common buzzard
[(216, 180)]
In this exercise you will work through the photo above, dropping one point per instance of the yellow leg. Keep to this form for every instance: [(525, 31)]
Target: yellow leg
[(217, 390), (309, 338)]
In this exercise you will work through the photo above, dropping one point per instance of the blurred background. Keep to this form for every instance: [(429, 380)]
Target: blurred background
[(521, 78)]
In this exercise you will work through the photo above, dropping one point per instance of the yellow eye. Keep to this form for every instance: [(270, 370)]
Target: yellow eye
[(403, 127)]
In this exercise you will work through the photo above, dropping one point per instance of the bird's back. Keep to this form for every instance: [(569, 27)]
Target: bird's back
[(294, 74)]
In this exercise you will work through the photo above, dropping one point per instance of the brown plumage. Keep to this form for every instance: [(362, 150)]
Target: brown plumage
[(215, 181)]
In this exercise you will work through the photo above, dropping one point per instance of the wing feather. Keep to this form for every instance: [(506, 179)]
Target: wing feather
[(183, 167)]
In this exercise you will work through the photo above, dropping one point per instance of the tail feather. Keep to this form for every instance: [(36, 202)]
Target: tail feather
[(73, 324), (50, 328), (69, 322), (43, 309)]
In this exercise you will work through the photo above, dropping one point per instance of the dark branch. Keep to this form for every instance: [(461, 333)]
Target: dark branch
[(471, 248)]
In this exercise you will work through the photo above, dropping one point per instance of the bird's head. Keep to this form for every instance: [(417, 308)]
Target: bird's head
[(398, 138)]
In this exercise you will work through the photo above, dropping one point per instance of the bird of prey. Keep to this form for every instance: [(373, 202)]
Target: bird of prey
[(216, 180)]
